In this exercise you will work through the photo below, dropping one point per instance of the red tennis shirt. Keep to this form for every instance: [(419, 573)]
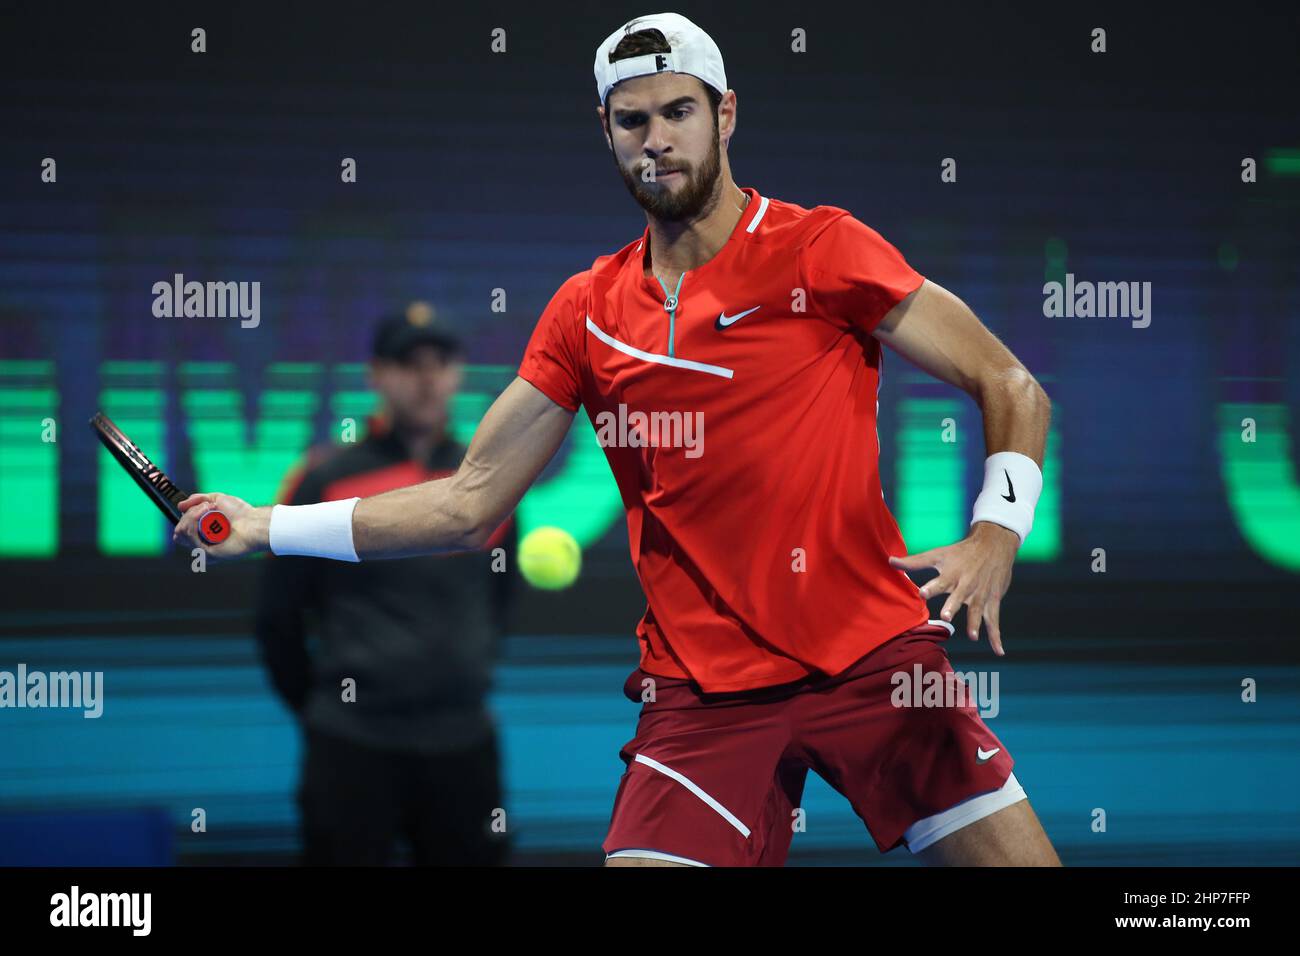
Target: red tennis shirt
[(742, 433)]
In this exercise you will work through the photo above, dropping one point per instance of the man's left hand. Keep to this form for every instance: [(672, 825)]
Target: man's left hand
[(975, 571)]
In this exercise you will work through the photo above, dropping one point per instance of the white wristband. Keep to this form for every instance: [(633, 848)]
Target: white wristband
[(317, 531), (1012, 484)]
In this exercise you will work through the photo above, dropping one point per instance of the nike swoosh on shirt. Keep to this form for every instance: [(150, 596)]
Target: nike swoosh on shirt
[(983, 756), (725, 320)]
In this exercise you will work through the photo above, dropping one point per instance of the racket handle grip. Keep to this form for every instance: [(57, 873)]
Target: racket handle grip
[(214, 527)]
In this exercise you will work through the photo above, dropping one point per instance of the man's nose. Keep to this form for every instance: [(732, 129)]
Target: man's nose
[(656, 138)]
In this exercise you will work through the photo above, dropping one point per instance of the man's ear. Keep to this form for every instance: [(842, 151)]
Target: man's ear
[(728, 105), (604, 127)]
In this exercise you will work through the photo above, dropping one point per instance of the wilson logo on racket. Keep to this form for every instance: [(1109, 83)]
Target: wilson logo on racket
[(153, 474)]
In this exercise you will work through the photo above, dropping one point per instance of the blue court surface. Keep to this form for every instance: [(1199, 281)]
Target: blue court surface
[(1186, 773)]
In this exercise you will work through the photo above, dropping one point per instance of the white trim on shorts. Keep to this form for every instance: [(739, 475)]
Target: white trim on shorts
[(654, 855), (951, 630), (694, 788), (924, 833)]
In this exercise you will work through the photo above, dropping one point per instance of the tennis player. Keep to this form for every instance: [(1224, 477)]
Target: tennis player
[(780, 614)]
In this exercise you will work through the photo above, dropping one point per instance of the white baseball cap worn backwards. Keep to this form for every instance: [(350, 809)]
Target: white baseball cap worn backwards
[(693, 52)]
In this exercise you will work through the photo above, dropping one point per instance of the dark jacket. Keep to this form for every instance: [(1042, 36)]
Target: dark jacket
[(417, 635)]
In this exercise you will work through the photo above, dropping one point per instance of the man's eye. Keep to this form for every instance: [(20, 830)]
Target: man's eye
[(681, 113)]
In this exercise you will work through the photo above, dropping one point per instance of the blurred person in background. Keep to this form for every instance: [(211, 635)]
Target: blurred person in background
[(398, 741)]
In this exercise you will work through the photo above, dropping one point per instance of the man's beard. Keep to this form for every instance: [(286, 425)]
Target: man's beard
[(688, 202)]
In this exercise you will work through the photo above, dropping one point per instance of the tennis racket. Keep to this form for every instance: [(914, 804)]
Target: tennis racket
[(214, 527)]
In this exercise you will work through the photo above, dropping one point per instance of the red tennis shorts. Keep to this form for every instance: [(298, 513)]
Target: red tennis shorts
[(716, 779)]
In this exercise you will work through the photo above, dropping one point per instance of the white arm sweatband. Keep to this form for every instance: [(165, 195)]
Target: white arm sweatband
[(1012, 484), (317, 531)]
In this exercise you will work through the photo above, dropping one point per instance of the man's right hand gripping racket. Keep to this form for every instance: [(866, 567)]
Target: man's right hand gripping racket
[(214, 527)]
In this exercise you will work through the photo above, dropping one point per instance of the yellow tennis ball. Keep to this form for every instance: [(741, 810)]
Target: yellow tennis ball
[(549, 558)]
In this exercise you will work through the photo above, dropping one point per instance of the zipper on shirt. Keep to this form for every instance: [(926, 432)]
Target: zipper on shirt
[(670, 306)]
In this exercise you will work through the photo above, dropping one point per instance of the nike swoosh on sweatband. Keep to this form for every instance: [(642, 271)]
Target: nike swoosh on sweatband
[(316, 531), (1012, 484)]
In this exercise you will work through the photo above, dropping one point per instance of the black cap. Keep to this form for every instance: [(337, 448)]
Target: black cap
[(397, 333)]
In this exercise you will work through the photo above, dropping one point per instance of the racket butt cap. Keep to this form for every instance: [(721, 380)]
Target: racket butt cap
[(214, 527)]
